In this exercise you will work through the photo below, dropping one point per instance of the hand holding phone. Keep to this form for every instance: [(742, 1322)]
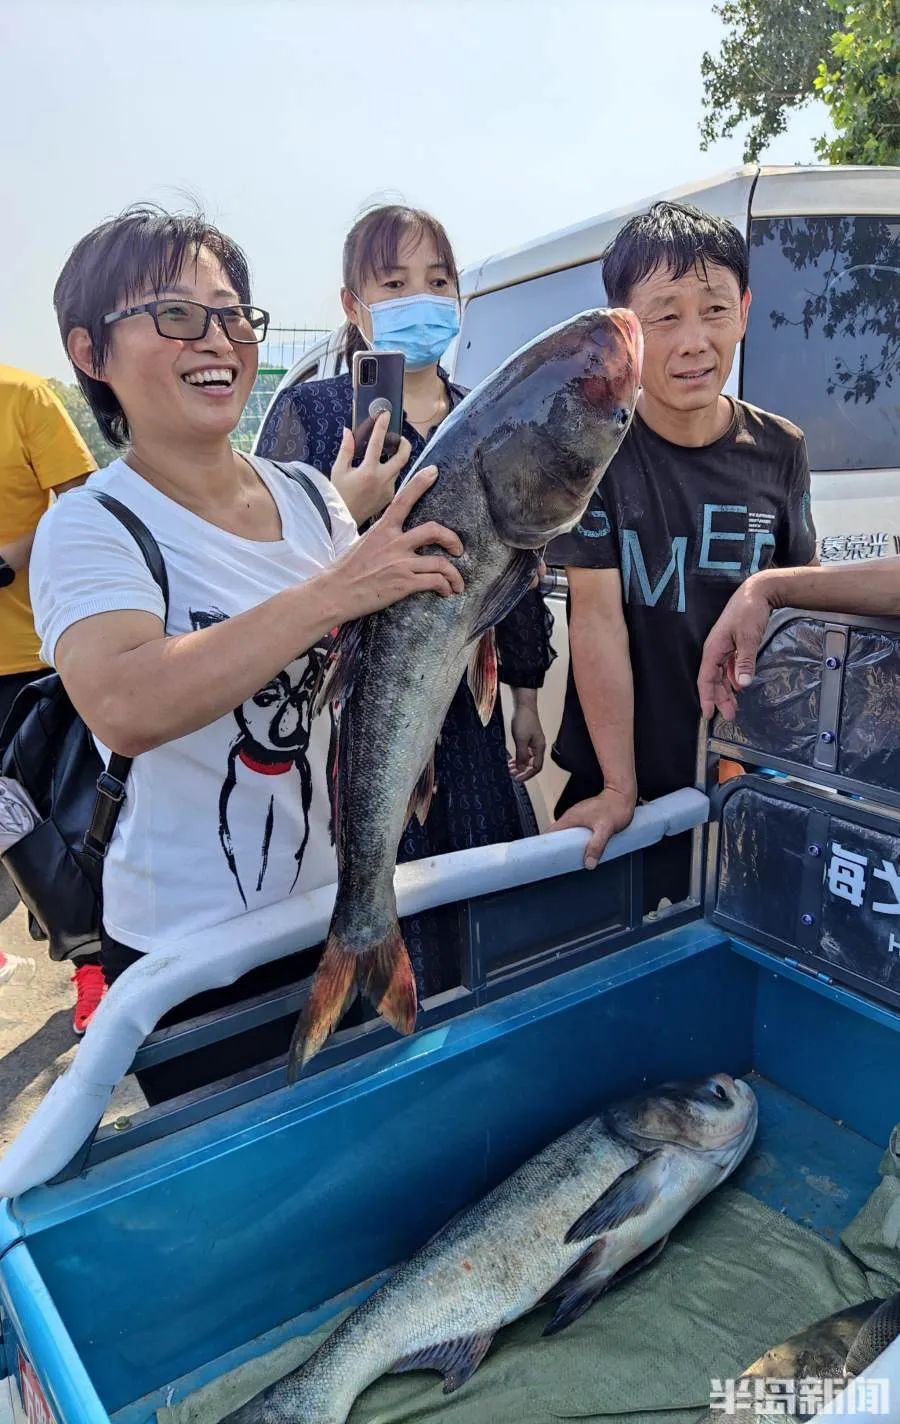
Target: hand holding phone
[(368, 487), (377, 387)]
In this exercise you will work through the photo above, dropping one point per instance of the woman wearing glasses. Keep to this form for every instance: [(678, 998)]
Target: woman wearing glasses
[(227, 808), (401, 292)]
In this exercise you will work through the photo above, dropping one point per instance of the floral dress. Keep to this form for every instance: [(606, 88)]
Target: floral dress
[(476, 801)]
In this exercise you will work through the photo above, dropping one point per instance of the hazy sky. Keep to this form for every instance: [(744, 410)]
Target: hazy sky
[(507, 118)]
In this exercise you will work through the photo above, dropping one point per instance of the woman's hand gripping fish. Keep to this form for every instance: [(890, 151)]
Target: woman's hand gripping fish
[(594, 1206), (518, 461)]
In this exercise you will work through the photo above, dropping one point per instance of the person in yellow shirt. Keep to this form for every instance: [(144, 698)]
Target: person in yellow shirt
[(41, 456)]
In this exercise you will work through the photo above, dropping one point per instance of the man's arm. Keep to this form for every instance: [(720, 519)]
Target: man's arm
[(729, 653), (17, 552), (601, 664), (54, 449)]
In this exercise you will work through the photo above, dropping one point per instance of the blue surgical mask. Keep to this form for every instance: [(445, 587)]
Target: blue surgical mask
[(422, 327)]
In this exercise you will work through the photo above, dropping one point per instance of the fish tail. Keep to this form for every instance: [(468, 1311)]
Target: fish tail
[(383, 973), (333, 990), (388, 981)]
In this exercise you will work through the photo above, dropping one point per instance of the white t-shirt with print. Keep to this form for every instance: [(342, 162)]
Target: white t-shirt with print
[(235, 815)]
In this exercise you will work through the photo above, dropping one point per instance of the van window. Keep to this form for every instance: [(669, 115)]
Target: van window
[(823, 340), (309, 374), (500, 322)]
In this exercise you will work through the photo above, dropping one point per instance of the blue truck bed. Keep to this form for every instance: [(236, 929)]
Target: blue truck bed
[(132, 1285), (150, 1261)]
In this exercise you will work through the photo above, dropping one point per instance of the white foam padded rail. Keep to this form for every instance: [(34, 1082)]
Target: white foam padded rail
[(175, 971)]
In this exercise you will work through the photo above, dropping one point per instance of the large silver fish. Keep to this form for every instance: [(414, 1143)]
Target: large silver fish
[(518, 461), (818, 1362), (596, 1204)]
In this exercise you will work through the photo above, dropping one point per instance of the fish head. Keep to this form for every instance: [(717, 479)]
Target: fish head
[(562, 407), (716, 1116)]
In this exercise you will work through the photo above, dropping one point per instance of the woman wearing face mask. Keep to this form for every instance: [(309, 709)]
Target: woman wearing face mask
[(400, 292)]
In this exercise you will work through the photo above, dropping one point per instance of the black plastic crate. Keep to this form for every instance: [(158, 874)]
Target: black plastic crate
[(813, 876), (824, 705)]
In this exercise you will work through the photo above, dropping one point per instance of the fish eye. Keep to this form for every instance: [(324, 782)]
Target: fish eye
[(621, 418), (720, 1092)]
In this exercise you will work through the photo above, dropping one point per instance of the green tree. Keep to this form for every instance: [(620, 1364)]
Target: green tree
[(777, 55), (860, 83), (84, 420), (767, 65)]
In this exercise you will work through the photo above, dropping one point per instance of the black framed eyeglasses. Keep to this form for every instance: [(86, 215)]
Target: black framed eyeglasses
[(181, 320)]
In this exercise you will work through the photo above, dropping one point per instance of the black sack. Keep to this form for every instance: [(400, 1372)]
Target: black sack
[(49, 751), (45, 746)]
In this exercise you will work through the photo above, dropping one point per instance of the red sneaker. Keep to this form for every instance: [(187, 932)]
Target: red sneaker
[(90, 987)]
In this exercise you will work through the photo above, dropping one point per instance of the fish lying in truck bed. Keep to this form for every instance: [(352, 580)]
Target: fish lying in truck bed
[(812, 1365), (518, 461), (594, 1206)]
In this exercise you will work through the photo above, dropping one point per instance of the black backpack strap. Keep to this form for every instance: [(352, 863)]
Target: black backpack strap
[(143, 538), (111, 782), (300, 477)]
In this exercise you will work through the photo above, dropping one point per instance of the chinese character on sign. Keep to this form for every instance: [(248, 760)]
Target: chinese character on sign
[(722, 1395), (813, 1395), (872, 1396), (37, 1410), (775, 1396), (890, 874), (856, 546), (847, 874)]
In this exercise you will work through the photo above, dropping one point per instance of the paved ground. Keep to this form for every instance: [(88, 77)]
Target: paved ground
[(36, 1038)]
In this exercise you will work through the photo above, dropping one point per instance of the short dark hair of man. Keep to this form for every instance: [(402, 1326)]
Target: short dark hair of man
[(677, 236), (144, 249)]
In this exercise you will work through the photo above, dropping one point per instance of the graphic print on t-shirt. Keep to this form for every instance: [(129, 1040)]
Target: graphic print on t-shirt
[(272, 740), (683, 526)]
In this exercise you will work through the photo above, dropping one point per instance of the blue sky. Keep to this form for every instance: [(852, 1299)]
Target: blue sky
[(507, 118)]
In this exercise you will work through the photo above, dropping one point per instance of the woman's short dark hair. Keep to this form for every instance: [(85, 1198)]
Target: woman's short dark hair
[(372, 246), (144, 248), (677, 236)]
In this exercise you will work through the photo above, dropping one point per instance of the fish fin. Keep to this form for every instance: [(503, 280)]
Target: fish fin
[(342, 662), (504, 594), (384, 974), (587, 1281), (637, 1263), (576, 1275), (420, 800), (585, 1263), (582, 1285), (457, 1360), (630, 1194), (332, 689), (573, 1305), (387, 979), (333, 990), (483, 675), (881, 1328)]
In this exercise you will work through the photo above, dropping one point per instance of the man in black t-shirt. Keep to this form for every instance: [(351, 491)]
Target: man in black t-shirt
[(703, 492)]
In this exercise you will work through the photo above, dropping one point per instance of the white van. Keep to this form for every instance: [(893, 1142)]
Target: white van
[(822, 344)]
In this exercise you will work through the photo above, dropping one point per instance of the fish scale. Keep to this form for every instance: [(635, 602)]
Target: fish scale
[(500, 1257)]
